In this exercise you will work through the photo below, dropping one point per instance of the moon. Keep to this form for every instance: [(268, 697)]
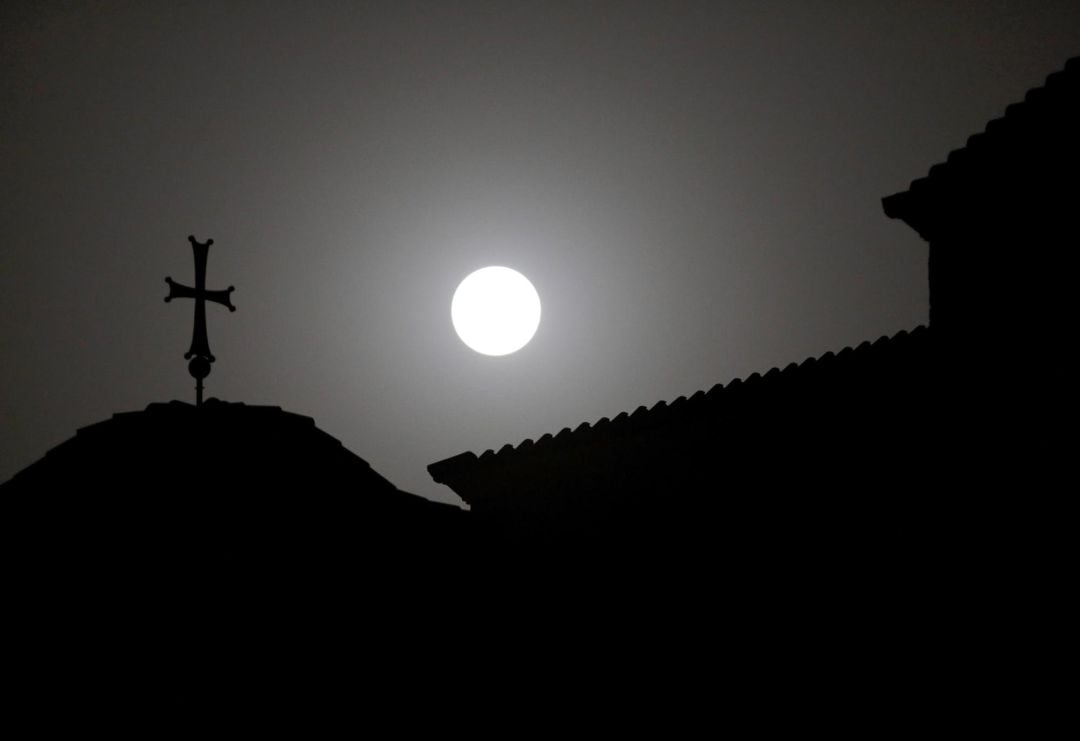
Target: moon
[(495, 311)]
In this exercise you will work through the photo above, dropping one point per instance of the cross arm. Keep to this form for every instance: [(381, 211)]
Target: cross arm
[(179, 290), (222, 297)]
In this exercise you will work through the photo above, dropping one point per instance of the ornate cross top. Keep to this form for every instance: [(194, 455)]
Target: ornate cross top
[(199, 352)]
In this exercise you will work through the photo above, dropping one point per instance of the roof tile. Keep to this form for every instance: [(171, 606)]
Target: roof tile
[(737, 390), (1038, 103)]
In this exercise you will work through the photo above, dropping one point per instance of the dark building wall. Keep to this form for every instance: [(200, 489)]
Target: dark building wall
[(999, 217), (223, 561), (825, 456)]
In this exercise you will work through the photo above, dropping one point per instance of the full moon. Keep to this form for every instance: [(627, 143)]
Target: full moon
[(495, 311)]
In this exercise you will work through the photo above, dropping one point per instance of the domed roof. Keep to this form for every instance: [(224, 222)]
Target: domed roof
[(160, 550), (178, 446)]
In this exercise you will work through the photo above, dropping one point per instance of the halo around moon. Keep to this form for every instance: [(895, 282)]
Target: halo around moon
[(495, 311)]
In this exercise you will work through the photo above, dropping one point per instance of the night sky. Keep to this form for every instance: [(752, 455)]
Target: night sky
[(693, 188)]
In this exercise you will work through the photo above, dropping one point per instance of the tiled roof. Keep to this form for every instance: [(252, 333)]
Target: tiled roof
[(701, 407), (1045, 121)]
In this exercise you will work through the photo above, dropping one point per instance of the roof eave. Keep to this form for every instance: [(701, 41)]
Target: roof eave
[(909, 209), (449, 471)]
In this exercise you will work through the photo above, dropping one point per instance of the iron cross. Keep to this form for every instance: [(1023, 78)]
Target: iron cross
[(199, 352)]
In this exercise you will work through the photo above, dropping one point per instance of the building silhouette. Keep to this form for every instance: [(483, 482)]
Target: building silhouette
[(830, 529), (905, 448), (192, 563), (872, 536)]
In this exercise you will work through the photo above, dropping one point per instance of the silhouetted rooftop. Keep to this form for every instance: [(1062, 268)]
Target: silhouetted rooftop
[(712, 408), (242, 469), (1038, 130), (241, 538), (238, 441)]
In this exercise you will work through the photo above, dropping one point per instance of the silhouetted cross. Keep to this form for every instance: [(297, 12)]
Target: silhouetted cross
[(199, 352)]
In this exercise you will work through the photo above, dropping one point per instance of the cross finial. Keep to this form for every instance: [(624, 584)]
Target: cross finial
[(199, 352)]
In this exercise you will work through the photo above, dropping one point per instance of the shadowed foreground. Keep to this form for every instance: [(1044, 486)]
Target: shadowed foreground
[(192, 561), (185, 565)]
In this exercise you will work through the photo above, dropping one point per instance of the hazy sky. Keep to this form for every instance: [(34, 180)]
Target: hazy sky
[(693, 188)]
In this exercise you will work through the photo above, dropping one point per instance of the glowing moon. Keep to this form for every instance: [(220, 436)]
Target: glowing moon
[(495, 311)]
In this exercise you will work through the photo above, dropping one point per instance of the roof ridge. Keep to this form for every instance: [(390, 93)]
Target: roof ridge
[(1018, 113), (643, 417)]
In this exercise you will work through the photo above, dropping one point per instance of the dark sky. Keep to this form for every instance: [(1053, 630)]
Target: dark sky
[(693, 188)]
